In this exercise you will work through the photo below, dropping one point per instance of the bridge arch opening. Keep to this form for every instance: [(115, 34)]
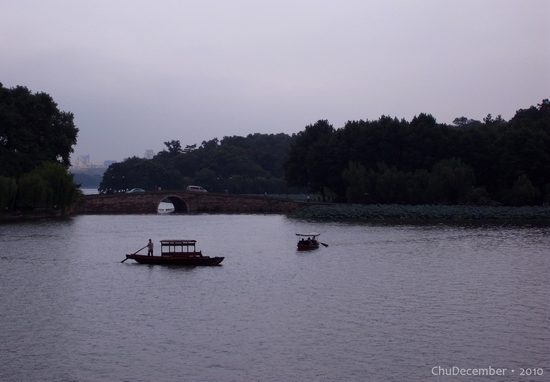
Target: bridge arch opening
[(171, 204)]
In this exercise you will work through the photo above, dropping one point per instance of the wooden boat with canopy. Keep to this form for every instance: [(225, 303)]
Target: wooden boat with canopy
[(307, 241), (177, 252)]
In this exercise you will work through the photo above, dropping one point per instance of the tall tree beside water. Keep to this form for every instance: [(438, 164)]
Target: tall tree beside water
[(36, 140), (309, 158), (8, 191), (32, 131), (390, 160), (47, 187)]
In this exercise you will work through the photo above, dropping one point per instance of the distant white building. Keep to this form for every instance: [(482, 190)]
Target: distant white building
[(149, 154), (82, 161)]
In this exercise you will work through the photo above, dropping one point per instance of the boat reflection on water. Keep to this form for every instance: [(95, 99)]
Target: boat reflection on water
[(165, 208)]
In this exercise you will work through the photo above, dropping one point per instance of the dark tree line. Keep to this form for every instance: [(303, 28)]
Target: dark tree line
[(383, 161), (251, 164), (36, 140), (421, 161)]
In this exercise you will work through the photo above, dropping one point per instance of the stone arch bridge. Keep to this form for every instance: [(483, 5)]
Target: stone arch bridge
[(183, 201)]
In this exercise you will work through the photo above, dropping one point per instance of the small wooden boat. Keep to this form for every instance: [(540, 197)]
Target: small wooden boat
[(177, 252), (307, 241)]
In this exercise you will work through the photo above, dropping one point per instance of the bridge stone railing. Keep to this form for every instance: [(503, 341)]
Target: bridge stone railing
[(183, 201)]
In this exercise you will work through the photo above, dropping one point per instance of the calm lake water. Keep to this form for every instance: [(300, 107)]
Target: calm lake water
[(383, 302)]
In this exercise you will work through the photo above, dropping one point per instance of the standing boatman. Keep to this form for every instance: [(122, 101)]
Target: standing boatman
[(150, 247)]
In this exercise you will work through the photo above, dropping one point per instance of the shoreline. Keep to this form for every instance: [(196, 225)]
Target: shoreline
[(378, 212), (398, 212)]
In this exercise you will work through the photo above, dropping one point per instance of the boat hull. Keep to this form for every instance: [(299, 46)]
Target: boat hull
[(307, 247), (176, 260)]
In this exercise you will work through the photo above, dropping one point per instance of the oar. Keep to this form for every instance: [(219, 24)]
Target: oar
[(133, 254), (326, 245)]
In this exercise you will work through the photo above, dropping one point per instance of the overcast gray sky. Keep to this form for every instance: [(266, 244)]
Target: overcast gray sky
[(139, 73)]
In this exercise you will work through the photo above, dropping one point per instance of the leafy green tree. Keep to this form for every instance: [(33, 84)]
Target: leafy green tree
[(267, 151), (174, 147), (48, 187), (469, 162), (390, 186), (465, 123), (139, 173), (424, 120), (482, 149), (523, 193), (32, 131), (33, 191), (451, 181), (307, 160), (389, 159), (417, 183), (256, 160), (356, 177), (229, 160), (526, 147), (8, 192), (188, 164), (480, 196), (489, 120), (61, 185), (206, 178), (320, 168)]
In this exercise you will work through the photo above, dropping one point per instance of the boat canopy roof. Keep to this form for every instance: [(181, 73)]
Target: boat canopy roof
[(178, 242), (308, 234)]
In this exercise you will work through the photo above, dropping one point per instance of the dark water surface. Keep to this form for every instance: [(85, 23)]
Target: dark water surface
[(381, 303)]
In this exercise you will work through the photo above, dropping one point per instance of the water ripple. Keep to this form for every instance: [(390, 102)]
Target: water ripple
[(381, 303)]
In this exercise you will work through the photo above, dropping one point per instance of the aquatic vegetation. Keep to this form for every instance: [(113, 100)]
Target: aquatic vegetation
[(417, 212)]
